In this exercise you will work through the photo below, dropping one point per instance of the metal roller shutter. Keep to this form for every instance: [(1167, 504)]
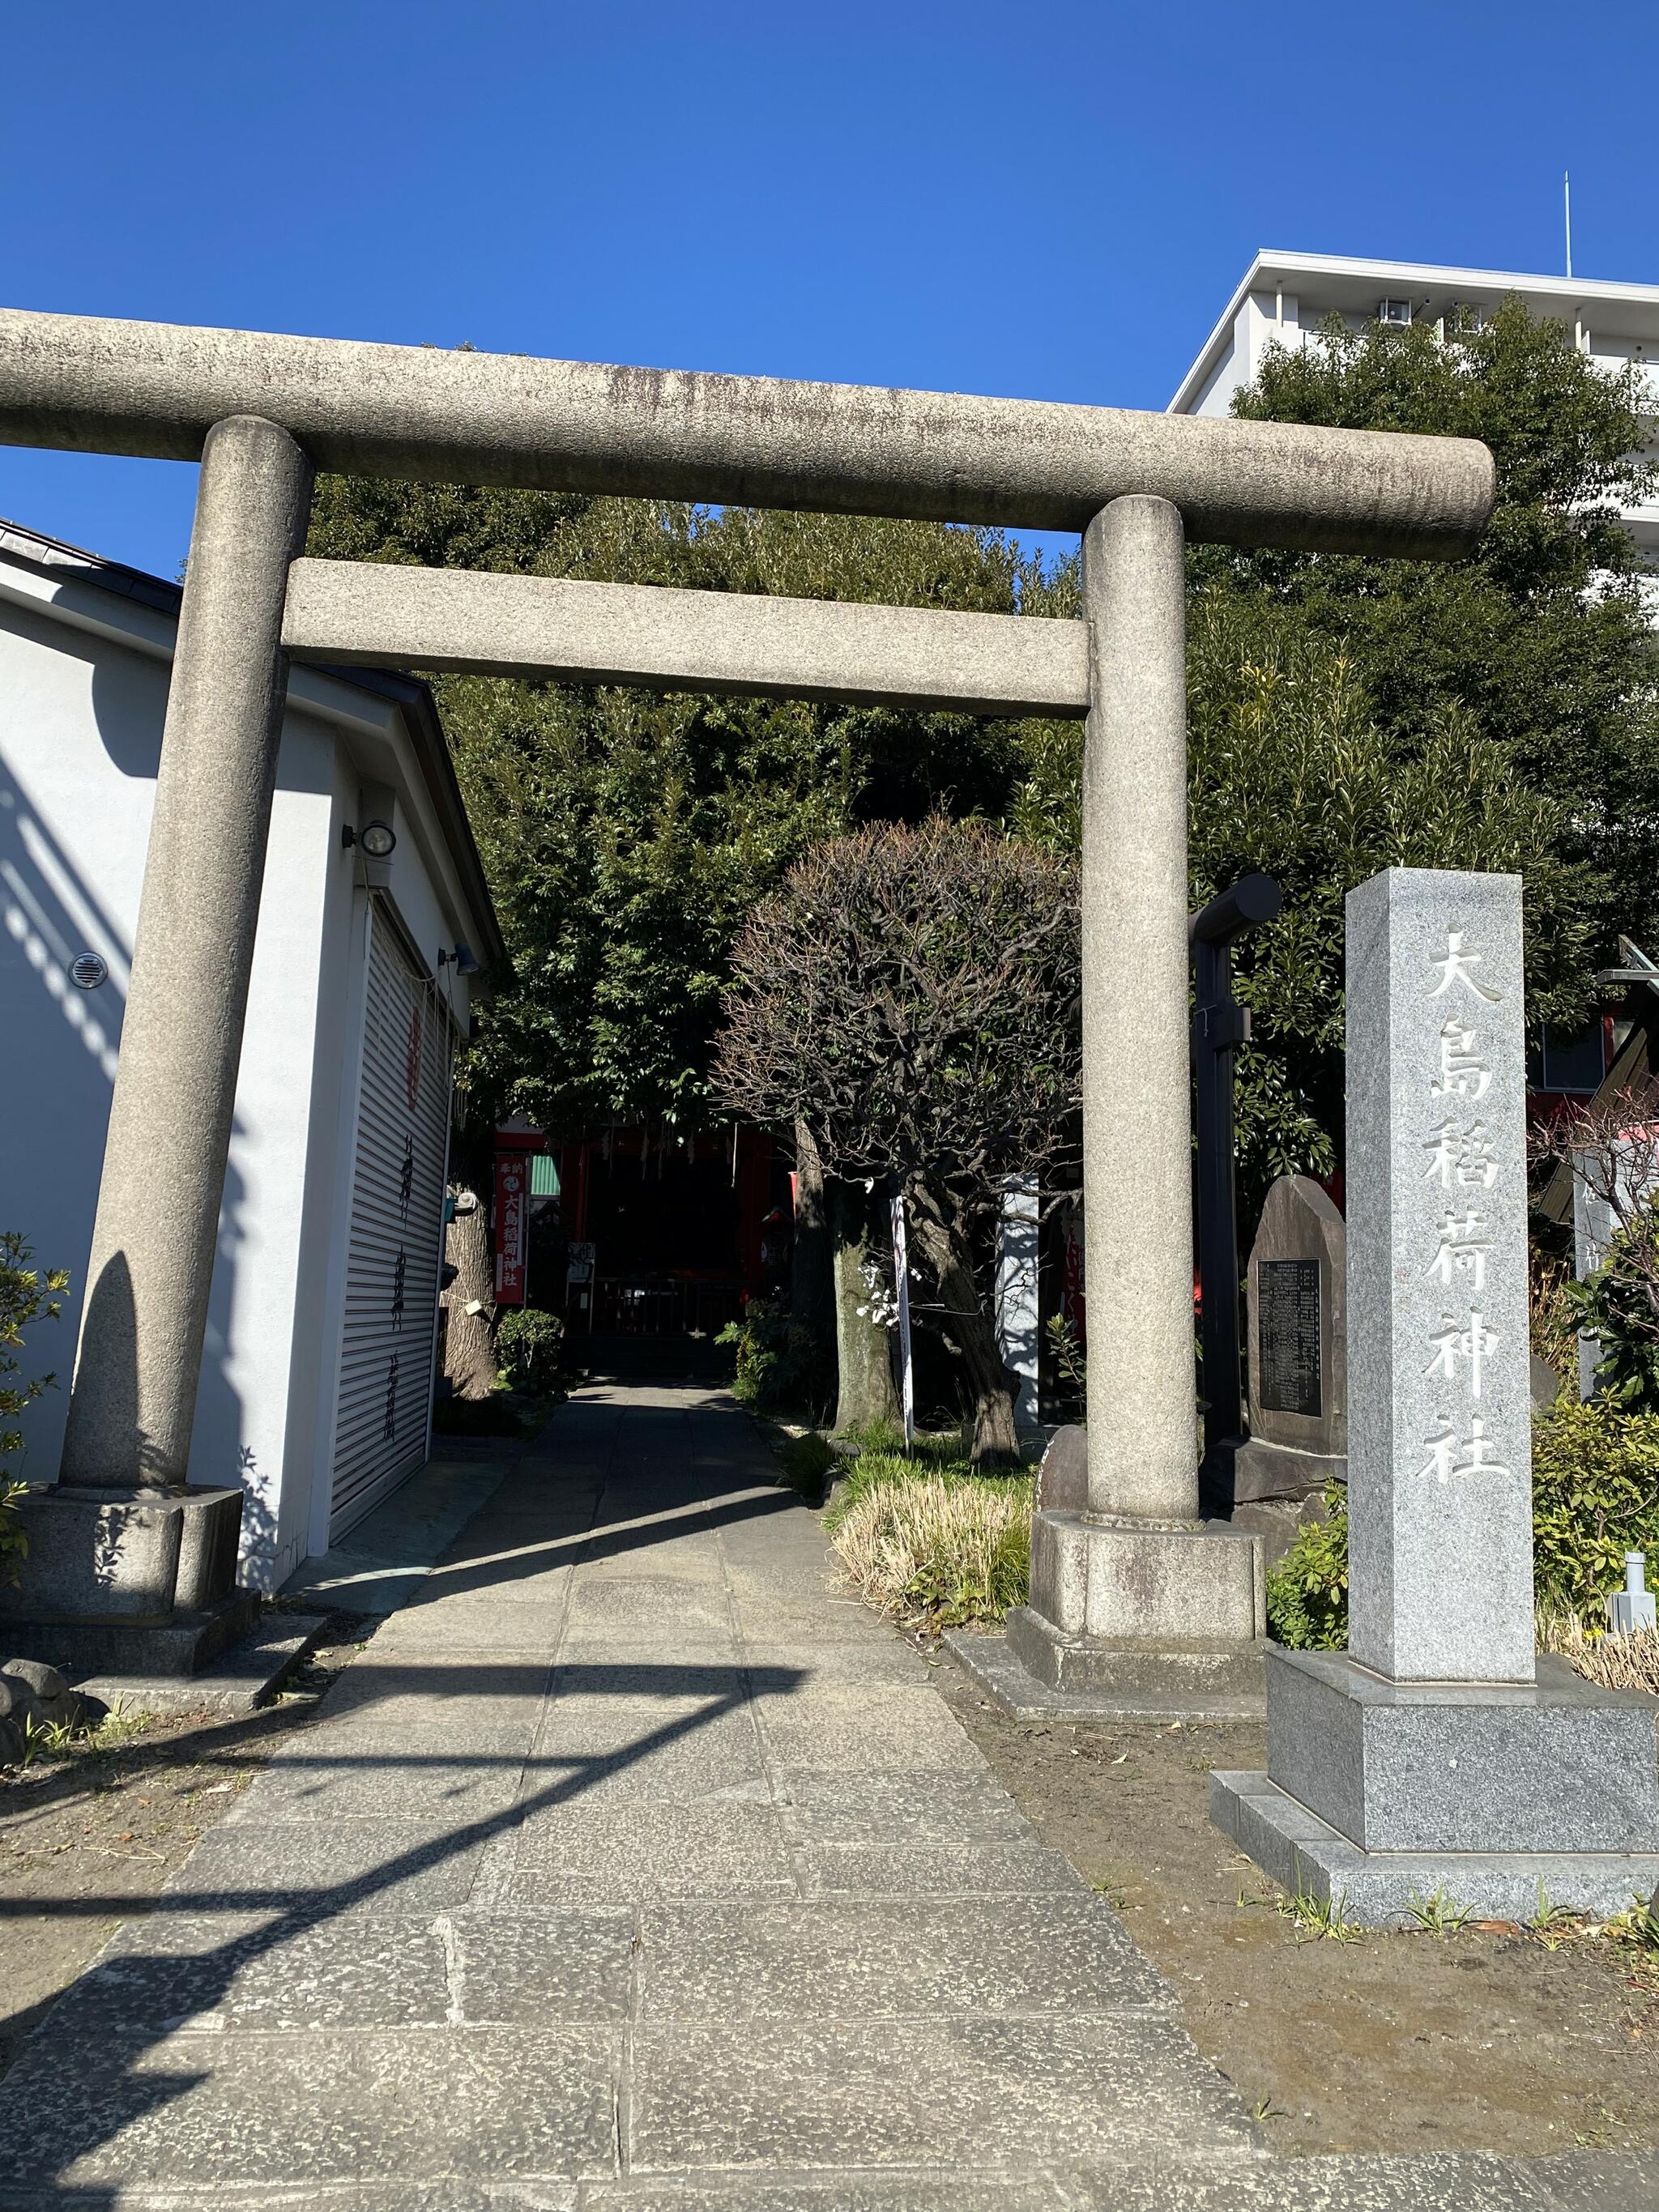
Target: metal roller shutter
[(396, 1230)]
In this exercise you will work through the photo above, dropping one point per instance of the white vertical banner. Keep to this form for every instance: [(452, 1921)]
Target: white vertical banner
[(902, 1298)]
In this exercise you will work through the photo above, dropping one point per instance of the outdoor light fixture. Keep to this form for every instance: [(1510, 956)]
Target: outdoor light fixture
[(378, 839), (463, 960)]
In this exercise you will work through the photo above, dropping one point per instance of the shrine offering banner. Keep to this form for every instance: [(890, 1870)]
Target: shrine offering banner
[(512, 1219)]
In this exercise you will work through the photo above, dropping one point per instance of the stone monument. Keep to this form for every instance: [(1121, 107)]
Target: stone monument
[(1297, 1302), (1440, 1754)]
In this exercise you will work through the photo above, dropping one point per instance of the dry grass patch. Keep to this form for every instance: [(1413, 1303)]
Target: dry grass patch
[(1617, 1662), (932, 1548)]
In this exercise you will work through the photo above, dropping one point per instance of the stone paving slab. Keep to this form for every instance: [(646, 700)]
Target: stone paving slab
[(248, 1971), (655, 1608), (863, 1728), (329, 2105), (405, 1866), (1063, 1953), (617, 1853), (919, 1807), (931, 1870), (474, 1623), (917, 2092), (825, 1621), (951, 2191), (446, 2195), (635, 1863), (669, 1748), (435, 1787), (884, 1660)]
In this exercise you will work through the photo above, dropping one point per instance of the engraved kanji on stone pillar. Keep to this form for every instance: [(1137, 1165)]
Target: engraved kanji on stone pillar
[(1440, 1488)]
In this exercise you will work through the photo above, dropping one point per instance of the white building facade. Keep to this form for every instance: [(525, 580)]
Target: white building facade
[(1285, 297), (316, 1386)]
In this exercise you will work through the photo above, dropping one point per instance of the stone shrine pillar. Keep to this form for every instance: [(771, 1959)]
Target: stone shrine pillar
[(121, 1544), (1438, 1753), (1136, 1604)]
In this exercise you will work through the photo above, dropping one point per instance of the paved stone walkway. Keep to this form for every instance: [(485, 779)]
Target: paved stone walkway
[(631, 1865)]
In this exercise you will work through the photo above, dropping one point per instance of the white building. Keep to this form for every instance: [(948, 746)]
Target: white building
[(1285, 296), (316, 1384)]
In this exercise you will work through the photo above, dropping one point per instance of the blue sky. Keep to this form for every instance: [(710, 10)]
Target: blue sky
[(1054, 201)]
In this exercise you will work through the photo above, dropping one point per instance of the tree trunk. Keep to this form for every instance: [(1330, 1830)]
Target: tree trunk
[(470, 1337), (812, 1272), (863, 1360), (944, 1248)]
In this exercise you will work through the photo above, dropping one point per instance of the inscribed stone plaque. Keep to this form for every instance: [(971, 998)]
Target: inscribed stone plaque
[(1287, 1336), (1295, 1289), (1439, 1412)]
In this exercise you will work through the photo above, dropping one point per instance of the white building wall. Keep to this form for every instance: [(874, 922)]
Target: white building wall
[(81, 719)]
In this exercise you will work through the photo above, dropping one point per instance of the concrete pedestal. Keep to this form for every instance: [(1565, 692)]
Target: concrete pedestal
[(1131, 1622), (1378, 1792), (133, 1580)]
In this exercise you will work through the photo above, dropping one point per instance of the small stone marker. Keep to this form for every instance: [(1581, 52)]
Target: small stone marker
[(1439, 1755), (1299, 1371)]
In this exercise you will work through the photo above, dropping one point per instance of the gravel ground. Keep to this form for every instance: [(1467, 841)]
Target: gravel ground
[(1491, 2039)]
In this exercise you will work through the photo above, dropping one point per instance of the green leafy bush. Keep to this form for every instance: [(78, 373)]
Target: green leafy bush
[(1620, 1303), (781, 1365), (25, 1296), (1308, 1588), (810, 1463), (528, 1344), (1594, 1496)]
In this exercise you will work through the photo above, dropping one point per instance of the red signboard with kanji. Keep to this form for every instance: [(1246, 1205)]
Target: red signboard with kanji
[(511, 1221)]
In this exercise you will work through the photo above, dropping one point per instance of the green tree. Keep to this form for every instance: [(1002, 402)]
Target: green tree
[(1351, 714), (915, 996), (628, 835)]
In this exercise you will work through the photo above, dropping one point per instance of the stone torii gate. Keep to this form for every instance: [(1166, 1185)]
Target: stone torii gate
[(1133, 1566)]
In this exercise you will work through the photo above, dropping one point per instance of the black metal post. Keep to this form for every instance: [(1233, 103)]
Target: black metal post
[(1221, 1025)]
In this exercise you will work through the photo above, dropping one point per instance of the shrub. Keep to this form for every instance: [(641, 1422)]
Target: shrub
[(1308, 1588), (1594, 1496), (528, 1343), (934, 1546), (25, 1296), (809, 1463), (781, 1365), (1620, 1303)]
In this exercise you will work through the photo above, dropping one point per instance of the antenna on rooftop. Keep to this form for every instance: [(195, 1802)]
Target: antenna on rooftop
[(1567, 211)]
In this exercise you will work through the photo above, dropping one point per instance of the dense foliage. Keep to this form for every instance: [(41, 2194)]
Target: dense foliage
[(1594, 1496), (1349, 714), (1619, 1304), (1308, 1588), (627, 836), (913, 996), (781, 1364), (529, 1345), (26, 1295)]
